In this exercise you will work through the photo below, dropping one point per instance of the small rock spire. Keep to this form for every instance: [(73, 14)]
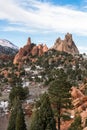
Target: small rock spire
[(29, 41)]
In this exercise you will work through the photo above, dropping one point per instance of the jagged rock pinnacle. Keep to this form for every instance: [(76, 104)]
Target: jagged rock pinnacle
[(66, 45), (29, 41)]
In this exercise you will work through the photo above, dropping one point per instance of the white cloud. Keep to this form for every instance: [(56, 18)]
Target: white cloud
[(82, 49), (45, 17), (19, 29)]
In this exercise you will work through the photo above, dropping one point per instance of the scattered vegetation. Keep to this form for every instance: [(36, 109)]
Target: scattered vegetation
[(58, 71)]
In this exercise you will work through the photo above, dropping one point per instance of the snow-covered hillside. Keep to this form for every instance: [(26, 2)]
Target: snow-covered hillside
[(6, 43), (8, 48)]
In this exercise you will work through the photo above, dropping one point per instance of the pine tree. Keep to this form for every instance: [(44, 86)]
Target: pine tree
[(11, 125), (44, 118), (36, 123), (20, 122), (16, 121), (76, 125), (59, 94), (17, 91)]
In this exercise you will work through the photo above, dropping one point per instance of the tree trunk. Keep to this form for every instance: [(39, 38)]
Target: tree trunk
[(58, 112)]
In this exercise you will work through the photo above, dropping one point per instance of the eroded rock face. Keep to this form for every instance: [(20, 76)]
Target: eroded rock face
[(45, 48), (76, 93), (66, 45), (79, 101), (28, 51)]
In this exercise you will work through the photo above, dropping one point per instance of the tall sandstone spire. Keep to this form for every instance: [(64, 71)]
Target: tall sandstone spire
[(66, 45), (29, 41)]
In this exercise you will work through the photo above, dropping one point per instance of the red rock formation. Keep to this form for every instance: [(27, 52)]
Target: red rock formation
[(85, 128), (79, 101), (66, 124), (28, 51), (66, 45), (29, 41), (76, 93), (35, 50), (45, 48)]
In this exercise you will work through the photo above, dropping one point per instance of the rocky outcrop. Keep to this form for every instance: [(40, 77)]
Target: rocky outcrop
[(76, 93), (66, 45), (29, 52), (79, 101)]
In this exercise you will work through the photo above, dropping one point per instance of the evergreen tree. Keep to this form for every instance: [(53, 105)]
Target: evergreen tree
[(76, 125), (17, 91), (11, 125), (43, 118), (59, 94), (36, 123), (20, 122), (16, 121)]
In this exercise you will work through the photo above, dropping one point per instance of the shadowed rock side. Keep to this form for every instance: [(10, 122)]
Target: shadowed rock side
[(66, 45), (28, 51)]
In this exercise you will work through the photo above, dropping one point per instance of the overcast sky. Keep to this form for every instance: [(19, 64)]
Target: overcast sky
[(44, 21)]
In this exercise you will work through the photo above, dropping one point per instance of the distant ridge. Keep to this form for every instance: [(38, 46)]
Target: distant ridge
[(6, 43), (8, 48)]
